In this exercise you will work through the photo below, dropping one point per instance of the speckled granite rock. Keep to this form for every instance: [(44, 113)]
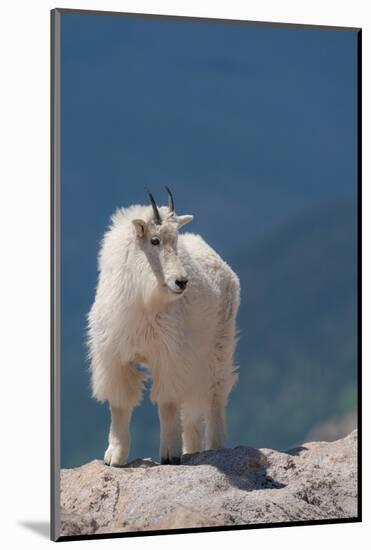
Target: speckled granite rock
[(226, 487)]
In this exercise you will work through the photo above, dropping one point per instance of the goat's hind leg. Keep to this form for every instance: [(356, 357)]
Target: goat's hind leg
[(193, 430), (215, 421)]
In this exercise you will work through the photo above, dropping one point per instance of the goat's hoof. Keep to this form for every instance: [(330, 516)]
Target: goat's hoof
[(174, 460), (115, 456)]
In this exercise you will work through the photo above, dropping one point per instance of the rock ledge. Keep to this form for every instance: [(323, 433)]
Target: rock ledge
[(226, 487)]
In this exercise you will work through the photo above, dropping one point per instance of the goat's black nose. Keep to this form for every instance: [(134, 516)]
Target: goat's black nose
[(181, 283)]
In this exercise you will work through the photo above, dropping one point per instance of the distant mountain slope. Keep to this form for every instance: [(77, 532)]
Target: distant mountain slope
[(297, 350)]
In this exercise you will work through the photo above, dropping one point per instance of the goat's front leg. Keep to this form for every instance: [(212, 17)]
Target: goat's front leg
[(170, 433), (119, 437)]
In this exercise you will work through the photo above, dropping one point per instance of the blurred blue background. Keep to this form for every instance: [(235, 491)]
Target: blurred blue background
[(254, 129)]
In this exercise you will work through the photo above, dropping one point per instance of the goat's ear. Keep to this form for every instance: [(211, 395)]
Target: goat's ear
[(140, 227), (183, 220)]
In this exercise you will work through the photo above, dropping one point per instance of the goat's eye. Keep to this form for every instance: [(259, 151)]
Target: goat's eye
[(155, 241)]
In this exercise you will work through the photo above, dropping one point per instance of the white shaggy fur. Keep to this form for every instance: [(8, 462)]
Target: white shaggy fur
[(186, 339)]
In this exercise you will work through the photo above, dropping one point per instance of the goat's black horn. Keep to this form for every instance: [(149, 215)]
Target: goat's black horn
[(155, 209), (171, 200)]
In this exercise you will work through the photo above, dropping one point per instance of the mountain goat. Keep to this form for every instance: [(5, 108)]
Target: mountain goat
[(168, 302)]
